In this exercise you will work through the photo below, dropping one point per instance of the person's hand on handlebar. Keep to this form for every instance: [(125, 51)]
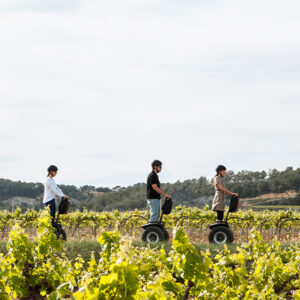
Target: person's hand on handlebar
[(235, 194), (168, 196)]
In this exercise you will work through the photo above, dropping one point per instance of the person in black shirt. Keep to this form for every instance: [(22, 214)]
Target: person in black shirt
[(154, 191)]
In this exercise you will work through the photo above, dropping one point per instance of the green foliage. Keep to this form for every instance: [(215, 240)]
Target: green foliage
[(187, 261), (33, 269), (131, 221)]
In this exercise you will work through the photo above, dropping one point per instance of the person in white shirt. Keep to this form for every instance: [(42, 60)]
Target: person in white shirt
[(51, 190)]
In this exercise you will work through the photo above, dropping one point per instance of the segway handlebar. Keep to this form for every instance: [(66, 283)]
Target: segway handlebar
[(233, 205), (166, 208)]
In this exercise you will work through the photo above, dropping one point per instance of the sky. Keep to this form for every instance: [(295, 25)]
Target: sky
[(102, 88)]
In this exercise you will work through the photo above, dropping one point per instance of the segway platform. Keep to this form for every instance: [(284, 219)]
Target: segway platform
[(159, 224), (216, 224)]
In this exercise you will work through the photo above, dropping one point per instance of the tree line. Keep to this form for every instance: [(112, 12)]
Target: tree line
[(191, 192)]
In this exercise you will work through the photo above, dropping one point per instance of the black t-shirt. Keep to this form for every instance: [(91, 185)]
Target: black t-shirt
[(152, 179)]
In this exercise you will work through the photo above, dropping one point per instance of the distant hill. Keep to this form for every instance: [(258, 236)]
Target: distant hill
[(271, 200), (259, 188)]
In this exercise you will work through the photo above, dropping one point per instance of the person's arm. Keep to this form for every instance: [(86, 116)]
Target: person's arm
[(55, 189), (223, 189), (160, 191)]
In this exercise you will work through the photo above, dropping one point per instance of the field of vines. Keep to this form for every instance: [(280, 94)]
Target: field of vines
[(37, 267), (285, 225)]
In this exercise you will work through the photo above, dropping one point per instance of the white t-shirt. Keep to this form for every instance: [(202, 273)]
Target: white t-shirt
[(51, 190)]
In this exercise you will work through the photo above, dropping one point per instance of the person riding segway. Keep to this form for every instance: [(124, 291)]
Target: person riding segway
[(50, 191), (220, 232), (154, 230)]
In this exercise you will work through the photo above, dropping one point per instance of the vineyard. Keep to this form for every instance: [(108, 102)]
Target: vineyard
[(285, 225), (38, 268)]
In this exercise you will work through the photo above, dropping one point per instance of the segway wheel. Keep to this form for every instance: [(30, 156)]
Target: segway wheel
[(220, 235), (153, 235), (63, 235), (60, 233)]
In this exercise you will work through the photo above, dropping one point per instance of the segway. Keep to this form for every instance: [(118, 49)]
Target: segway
[(220, 232), (62, 209), (156, 232)]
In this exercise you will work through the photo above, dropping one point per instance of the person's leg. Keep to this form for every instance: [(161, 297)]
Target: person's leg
[(53, 210), (52, 206), (220, 215), (155, 209)]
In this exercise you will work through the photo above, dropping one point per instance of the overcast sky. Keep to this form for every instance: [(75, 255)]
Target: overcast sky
[(101, 88)]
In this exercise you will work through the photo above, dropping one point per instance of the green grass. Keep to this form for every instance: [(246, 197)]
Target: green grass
[(212, 248), (85, 248), (72, 249)]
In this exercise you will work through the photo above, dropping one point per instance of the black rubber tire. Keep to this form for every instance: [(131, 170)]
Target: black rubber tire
[(153, 234), (63, 235), (166, 233), (220, 235), (60, 233)]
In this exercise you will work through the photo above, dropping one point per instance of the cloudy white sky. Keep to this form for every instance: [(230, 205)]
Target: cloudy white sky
[(101, 88)]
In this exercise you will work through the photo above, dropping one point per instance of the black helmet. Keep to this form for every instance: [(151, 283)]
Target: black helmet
[(52, 168), (220, 168), (156, 163)]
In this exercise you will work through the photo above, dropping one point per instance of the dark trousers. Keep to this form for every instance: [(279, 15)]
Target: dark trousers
[(52, 205), (220, 215)]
